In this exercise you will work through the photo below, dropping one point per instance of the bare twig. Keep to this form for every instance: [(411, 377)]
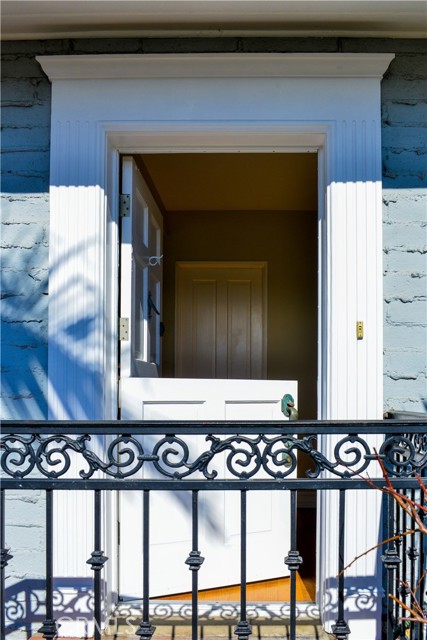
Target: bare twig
[(416, 611), (380, 544)]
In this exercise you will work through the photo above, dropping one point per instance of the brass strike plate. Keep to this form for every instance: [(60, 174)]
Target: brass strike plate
[(359, 330)]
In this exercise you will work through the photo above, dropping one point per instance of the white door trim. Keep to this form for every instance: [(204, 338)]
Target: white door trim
[(216, 65), (106, 105)]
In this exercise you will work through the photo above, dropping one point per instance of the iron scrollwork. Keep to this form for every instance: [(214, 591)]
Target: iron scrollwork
[(180, 457), (404, 455), (51, 456), (243, 452), (354, 464)]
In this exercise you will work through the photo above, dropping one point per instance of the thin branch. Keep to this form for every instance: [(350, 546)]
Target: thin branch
[(422, 620), (403, 605), (417, 617), (380, 544), (415, 602)]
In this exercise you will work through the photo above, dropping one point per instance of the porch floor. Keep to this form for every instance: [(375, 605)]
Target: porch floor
[(217, 620), (312, 631)]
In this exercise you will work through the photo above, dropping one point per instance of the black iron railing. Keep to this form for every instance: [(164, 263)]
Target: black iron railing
[(238, 456)]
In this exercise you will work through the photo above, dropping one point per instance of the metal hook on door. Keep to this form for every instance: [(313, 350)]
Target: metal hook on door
[(153, 261)]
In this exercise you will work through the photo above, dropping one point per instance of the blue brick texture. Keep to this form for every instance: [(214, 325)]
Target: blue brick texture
[(404, 136)]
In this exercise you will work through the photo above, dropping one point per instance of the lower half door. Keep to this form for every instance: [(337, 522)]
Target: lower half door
[(268, 528)]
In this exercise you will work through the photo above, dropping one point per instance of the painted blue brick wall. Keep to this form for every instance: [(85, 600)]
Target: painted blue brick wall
[(25, 227), (24, 235), (24, 288), (404, 134)]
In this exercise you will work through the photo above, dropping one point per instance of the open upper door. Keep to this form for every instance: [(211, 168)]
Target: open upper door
[(141, 277)]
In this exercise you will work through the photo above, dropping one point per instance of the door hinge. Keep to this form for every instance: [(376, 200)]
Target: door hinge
[(124, 205), (123, 328), (118, 532)]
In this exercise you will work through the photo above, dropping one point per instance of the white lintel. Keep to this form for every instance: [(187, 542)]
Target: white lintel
[(216, 65)]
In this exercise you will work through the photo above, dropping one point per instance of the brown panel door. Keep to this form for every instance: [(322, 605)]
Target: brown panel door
[(221, 320)]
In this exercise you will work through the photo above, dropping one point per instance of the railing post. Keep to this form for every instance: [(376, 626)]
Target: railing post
[(194, 561), (145, 629), (391, 561), (341, 628), (49, 628), (97, 561), (293, 560), (243, 629), (5, 556)]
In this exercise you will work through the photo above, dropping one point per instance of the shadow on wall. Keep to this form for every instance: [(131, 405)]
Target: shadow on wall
[(24, 397), (24, 331), (24, 287), (362, 598)]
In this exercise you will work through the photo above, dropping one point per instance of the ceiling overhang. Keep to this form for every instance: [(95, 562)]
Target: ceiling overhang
[(50, 19)]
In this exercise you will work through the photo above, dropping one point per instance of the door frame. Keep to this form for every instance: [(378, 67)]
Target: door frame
[(92, 125), (280, 139), (105, 105), (283, 138)]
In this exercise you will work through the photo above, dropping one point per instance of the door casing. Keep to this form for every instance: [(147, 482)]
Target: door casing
[(324, 103)]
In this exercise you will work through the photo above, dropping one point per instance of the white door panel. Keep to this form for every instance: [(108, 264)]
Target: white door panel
[(268, 512)]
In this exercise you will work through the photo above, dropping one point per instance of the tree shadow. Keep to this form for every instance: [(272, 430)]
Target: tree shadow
[(24, 338)]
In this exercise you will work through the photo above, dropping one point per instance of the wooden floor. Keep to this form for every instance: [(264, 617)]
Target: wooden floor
[(276, 590)]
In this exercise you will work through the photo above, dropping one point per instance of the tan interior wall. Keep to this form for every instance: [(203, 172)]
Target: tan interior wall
[(233, 181), (288, 242)]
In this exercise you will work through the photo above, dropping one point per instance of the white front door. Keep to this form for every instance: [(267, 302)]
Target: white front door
[(146, 396)]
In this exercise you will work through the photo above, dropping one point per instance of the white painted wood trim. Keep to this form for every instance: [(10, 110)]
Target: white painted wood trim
[(338, 116), (216, 65)]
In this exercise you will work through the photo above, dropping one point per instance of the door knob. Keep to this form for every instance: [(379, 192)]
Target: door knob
[(288, 407)]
